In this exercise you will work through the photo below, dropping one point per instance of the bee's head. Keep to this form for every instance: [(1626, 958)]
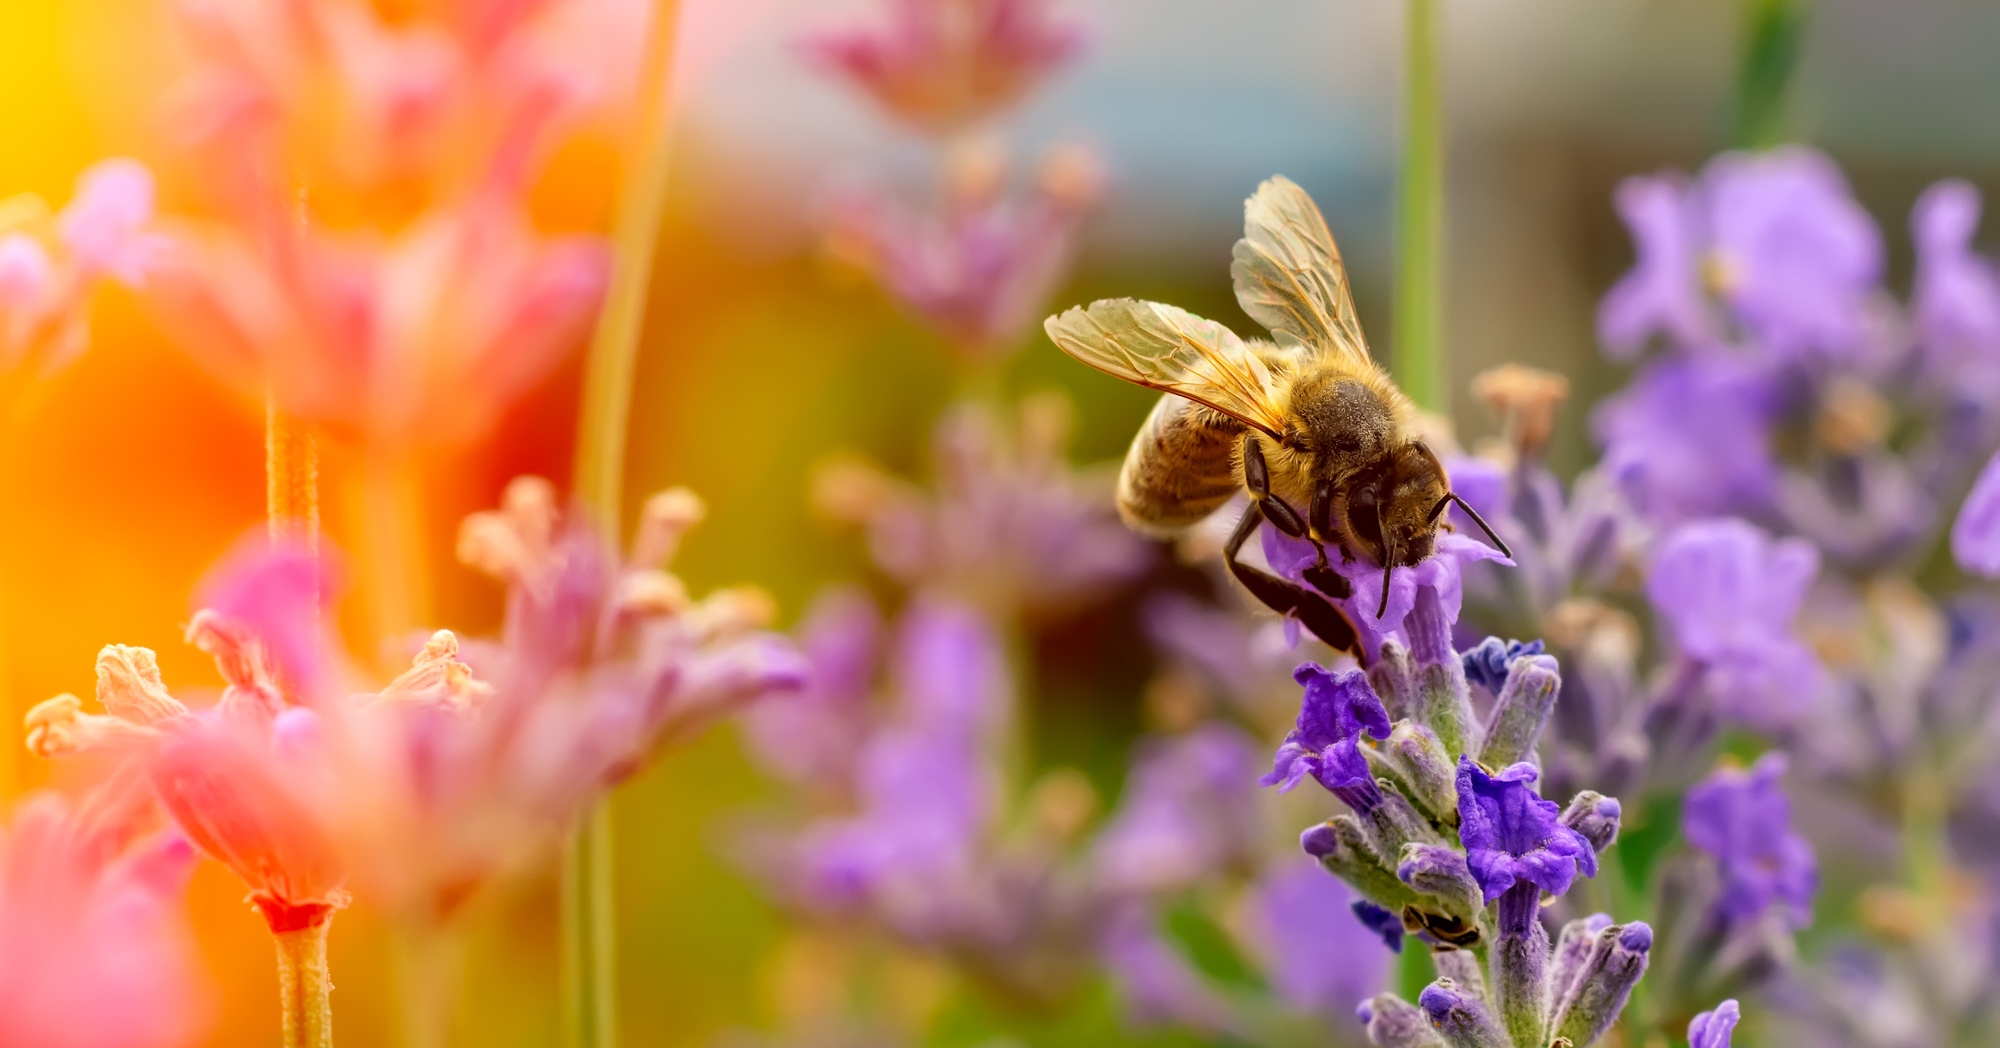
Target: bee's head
[(1393, 517)]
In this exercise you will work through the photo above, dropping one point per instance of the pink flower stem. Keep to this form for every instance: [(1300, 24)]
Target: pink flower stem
[(590, 1005), (305, 987)]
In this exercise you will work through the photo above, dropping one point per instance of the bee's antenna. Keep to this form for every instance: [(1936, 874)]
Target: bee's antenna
[(1451, 497)]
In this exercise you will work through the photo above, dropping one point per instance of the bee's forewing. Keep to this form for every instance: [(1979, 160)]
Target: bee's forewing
[(1288, 272), (1172, 350)]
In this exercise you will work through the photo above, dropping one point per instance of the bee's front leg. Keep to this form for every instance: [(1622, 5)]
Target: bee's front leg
[(1286, 598), (1257, 478)]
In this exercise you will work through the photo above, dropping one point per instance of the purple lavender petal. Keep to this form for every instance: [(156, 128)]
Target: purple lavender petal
[(1512, 835), (1743, 819), (1975, 535), (1324, 743), (1796, 257), (1662, 293)]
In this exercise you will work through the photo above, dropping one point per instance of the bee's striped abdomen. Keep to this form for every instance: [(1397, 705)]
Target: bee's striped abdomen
[(1180, 467)]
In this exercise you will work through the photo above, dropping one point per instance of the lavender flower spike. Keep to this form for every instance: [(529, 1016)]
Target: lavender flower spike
[(1712, 1029), (1461, 1018), (1617, 960), (1512, 836), (1337, 708)]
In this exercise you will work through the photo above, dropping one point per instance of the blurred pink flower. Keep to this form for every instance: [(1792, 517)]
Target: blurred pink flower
[(980, 268), (94, 950), (50, 263), (442, 782), (445, 94), (940, 64), (375, 266), (232, 777), (421, 337)]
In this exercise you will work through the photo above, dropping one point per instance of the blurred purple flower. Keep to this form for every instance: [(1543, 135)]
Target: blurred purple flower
[(1012, 529), (1975, 535), (1318, 954), (1730, 593), (276, 594), (1188, 812), (939, 64), (924, 784), (1689, 437), (980, 267), (1712, 1029), (925, 804), (1743, 820), (1439, 573), (1158, 984), (810, 736), (1956, 294), (94, 949), (1663, 292), (1513, 836), (1325, 743), (1793, 254)]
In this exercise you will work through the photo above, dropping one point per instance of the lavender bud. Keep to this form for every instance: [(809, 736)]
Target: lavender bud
[(1710, 1029), (1396, 1023), (1395, 823), (1462, 968), (1436, 870), (1460, 1018), (1486, 664), (1394, 677), (1344, 850), (1521, 967), (1523, 709), (1572, 949), (1416, 762), (1595, 816), (1385, 923), (1617, 960)]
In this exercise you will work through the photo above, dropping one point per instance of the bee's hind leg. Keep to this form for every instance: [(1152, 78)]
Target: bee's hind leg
[(1287, 598)]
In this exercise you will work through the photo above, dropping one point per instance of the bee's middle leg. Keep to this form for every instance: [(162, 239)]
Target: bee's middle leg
[(1323, 619)]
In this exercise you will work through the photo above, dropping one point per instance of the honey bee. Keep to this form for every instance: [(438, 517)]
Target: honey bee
[(1307, 419)]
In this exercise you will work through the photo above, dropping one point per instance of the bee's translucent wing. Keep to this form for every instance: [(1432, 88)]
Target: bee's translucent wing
[(1288, 272), (1172, 350)]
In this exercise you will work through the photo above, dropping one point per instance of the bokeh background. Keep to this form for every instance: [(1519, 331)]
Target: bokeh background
[(135, 470)]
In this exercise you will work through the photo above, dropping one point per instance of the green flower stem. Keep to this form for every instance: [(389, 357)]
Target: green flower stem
[(429, 959), (1774, 34), (1418, 361), (305, 987), (589, 980)]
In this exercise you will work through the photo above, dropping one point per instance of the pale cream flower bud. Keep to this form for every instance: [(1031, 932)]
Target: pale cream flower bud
[(667, 517), (736, 609), (129, 685), (652, 592), (437, 675), (59, 727)]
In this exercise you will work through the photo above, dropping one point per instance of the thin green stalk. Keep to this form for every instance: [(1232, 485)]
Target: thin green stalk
[(589, 980), (1418, 362), (305, 988), (1774, 35), (429, 961)]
